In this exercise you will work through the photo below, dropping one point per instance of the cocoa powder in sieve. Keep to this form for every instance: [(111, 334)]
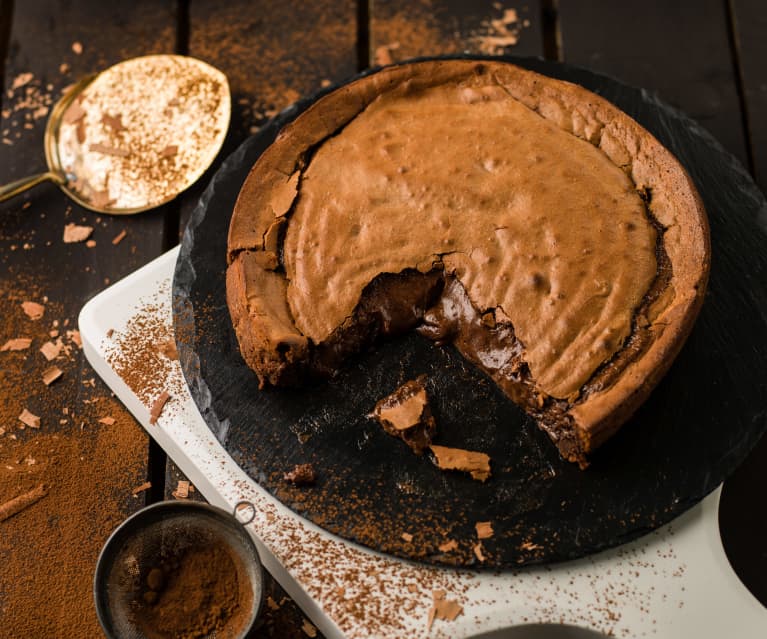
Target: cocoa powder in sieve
[(199, 592)]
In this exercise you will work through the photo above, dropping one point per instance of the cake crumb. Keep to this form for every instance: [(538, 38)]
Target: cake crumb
[(108, 420), (77, 48), (407, 537), (301, 475), (309, 629), (157, 407)]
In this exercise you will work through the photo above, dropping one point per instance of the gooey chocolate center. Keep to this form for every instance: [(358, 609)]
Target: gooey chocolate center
[(536, 230)]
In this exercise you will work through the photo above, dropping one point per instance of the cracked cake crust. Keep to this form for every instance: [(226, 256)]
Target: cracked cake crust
[(290, 328)]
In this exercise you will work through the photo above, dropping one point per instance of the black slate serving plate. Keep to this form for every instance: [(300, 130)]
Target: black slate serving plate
[(699, 423)]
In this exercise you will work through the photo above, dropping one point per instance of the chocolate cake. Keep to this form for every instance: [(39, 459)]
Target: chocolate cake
[(536, 227)]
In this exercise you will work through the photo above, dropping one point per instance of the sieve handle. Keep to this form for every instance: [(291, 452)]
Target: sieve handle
[(240, 505)]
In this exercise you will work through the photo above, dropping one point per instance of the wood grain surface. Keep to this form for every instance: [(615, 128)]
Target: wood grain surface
[(708, 61)]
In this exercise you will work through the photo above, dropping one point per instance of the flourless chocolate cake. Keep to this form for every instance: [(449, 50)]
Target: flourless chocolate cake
[(555, 242)]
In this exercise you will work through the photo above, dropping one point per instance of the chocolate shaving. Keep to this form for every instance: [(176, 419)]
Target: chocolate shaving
[(169, 151), (51, 350), (74, 113), (108, 150), (25, 500), (442, 608), (90, 243), (74, 335), (182, 489), (31, 420), (75, 233), (475, 463), (383, 54), (449, 545), (107, 421), (114, 122), (80, 132), (407, 537), (157, 407), (484, 529), (478, 551), (309, 629), (140, 489), (101, 199), (51, 374), (17, 344), (33, 310), (119, 237)]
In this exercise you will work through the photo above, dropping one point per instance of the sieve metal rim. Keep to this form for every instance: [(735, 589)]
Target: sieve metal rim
[(153, 513)]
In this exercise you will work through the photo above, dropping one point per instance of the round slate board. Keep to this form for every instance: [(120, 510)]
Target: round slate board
[(699, 423)]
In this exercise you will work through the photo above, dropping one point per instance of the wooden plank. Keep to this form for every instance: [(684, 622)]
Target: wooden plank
[(273, 53), (680, 52), (49, 551), (685, 55), (742, 524), (749, 22), (402, 29)]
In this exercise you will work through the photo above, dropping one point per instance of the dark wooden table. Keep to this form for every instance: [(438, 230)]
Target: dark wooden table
[(706, 58)]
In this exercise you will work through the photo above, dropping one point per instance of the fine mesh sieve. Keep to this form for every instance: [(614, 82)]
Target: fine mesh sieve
[(164, 532)]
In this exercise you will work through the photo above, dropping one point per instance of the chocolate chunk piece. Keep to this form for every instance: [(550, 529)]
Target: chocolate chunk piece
[(301, 475), (406, 414)]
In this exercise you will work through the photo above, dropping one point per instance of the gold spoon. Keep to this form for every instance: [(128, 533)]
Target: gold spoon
[(134, 136)]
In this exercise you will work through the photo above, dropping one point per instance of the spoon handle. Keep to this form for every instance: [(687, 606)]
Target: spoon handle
[(7, 191)]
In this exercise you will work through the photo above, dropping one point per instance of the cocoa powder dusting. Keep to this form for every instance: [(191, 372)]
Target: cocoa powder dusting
[(291, 62), (134, 354), (428, 28), (193, 595), (48, 549)]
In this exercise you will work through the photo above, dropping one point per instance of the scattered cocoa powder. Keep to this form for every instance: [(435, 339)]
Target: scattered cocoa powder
[(48, 550)]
